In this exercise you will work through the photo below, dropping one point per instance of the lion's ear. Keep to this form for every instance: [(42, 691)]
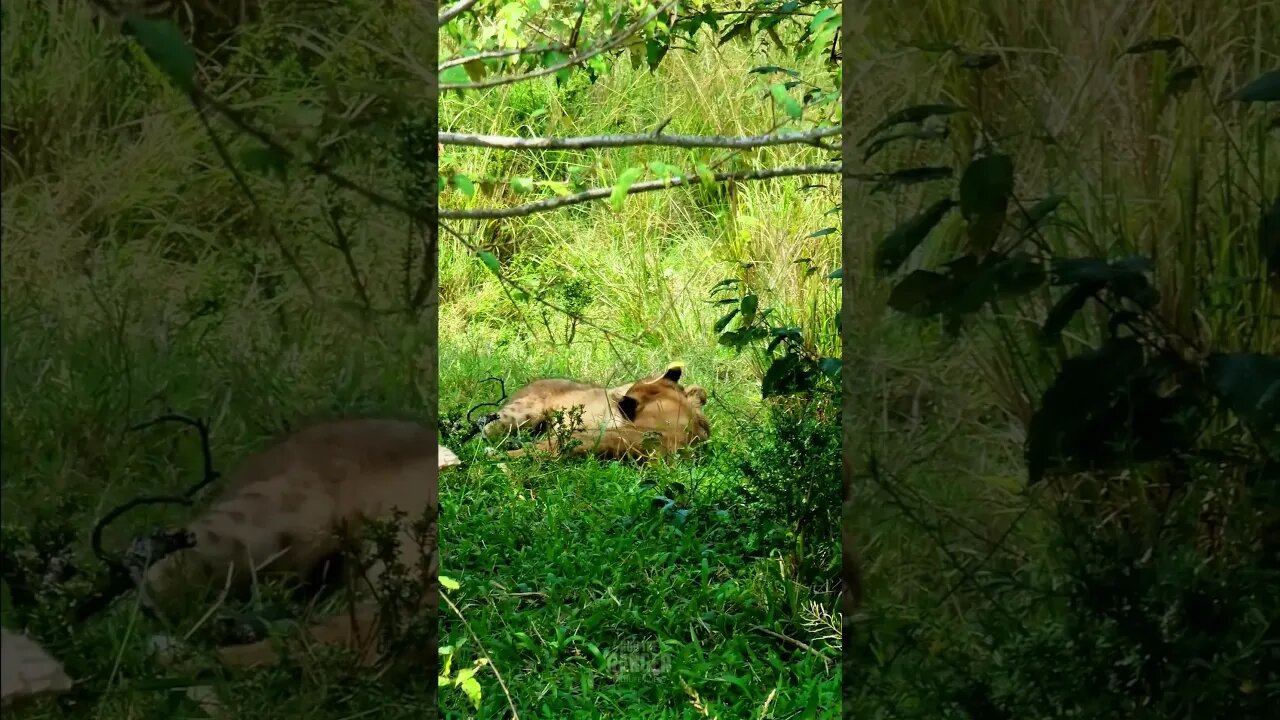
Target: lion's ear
[(696, 394), (628, 406), (674, 371)]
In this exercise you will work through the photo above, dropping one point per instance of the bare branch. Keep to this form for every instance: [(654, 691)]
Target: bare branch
[(454, 11), (578, 59), (505, 52), (640, 187), (505, 142)]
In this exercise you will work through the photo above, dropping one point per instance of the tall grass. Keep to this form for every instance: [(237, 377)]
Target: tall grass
[(566, 570)]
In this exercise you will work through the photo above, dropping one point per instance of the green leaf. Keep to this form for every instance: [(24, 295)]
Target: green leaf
[(724, 321), (837, 274), (1264, 88), (166, 48), (898, 246), (1065, 309), (1038, 212), (655, 50), (471, 687), (915, 294), (979, 61), (1108, 408), (906, 133), (1269, 240), (464, 184), (265, 160), (741, 30), (448, 583), (789, 105), (985, 189), (1249, 385), (910, 176), (620, 188), (820, 233), (821, 18), (456, 75), (787, 374), (490, 261), (1180, 79), (831, 367), (707, 177), (1166, 44), (522, 185), (770, 69), (750, 302), (915, 114)]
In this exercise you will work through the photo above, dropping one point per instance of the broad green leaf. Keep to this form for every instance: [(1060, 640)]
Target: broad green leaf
[(906, 133), (789, 105), (166, 48), (1038, 212), (707, 177), (750, 303), (464, 184), (918, 292), (985, 189), (831, 367), (522, 184), (265, 160), (1249, 385), (1181, 78), (1264, 88), (624, 183), (914, 114), (724, 321), (448, 583), (456, 75), (1167, 44), (910, 176), (898, 246), (491, 261), (471, 687)]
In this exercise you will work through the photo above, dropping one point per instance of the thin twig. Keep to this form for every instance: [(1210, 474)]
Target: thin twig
[(454, 11), (656, 137), (640, 187), (578, 59)]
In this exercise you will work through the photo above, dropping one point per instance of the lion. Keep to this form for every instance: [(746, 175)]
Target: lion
[(638, 420), (290, 507)]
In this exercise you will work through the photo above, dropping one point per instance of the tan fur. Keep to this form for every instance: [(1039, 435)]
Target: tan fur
[(532, 408), (654, 416), (290, 506)]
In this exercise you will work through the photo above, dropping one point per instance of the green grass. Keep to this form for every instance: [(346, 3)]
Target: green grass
[(137, 278), (566, 568)]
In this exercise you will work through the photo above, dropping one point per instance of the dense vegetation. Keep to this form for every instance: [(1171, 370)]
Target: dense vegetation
[(1060, 335)]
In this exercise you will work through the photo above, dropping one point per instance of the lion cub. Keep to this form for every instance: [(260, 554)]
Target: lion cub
[(651, 416), (290, 507)]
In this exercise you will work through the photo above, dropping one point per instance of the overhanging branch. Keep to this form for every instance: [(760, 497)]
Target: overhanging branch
[(506, 142), (640, 187)]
